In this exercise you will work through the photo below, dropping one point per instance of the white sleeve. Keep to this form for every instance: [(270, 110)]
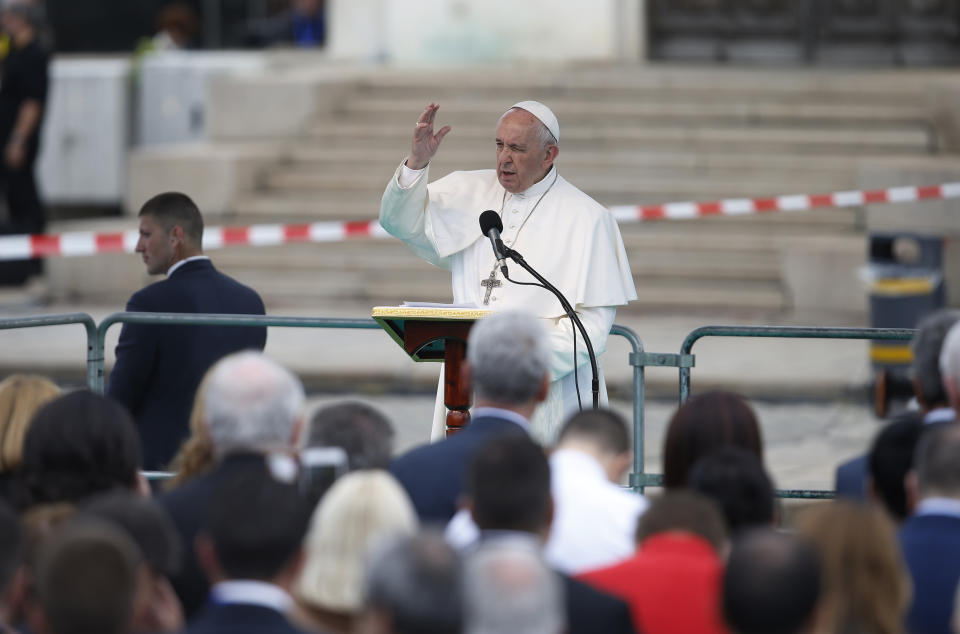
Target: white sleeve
[(408, 176), (597, 321)]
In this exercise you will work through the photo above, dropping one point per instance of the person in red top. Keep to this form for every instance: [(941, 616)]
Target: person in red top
[(673, 583)]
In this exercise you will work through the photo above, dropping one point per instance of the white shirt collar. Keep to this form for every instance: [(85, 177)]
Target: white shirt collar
[(540, 187), (250, 592), (938, 506), (497, 412), (940, 415), (585, 464), (177, 265)]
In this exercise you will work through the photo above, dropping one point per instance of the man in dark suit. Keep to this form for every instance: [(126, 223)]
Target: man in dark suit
[(930, 538), (159, 367), (251, 553), (509, 498), (508, 365), (851, 476), (252, 406)]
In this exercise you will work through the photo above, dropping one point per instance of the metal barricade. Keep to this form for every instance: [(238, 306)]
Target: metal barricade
[(787, 332), (94, 360)]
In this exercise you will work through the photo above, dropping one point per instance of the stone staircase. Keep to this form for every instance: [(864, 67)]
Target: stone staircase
[(628, 136)]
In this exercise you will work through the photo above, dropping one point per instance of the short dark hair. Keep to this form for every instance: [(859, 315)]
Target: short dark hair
[(704, 423), (176, 209), (684, 511), (86, 579), (736, 480), (79, 444), (926, 346), (357, 428), (604, 427), (509, 483), (146, 522), (771, 584), (256, 524), (890, 459), (418, 581), (12, 543), (937, 460)]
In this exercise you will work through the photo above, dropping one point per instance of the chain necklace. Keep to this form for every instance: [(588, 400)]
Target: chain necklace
[(492, 282)]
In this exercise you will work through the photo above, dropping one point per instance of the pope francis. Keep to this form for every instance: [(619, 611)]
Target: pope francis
[(564, 234)]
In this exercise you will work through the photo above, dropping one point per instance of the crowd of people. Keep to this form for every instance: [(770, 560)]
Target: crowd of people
[(486, 531)]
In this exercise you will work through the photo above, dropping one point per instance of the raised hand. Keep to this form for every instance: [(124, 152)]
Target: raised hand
[(425, 142)]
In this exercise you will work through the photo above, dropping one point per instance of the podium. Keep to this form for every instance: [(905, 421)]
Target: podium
[(434, 334)]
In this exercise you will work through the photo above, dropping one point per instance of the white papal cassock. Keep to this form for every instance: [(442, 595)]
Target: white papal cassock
[(564, 234)]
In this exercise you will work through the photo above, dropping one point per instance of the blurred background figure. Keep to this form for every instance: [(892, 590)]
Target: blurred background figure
[(736, 480), (865, 582), (177, 27), (362, 510), (302, 25), (414, 584), (361, 431), (20, 397)]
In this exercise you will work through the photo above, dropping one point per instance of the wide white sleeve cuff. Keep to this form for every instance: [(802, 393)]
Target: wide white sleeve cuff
[(408, 176)]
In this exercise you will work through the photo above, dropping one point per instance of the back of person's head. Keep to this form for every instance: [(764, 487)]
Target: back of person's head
[(359, 512), (771, 584), (86, 579), (256, 525), (145, 522), (950, 365), (937, 462), (509, 357), (20, 397), (78, 445), (602, 428), (890, 459), (864, 578), (508, 483), (683, 511), (926, 345), (175, 209), (702, 424), (12, 545), (510, 589), (252, 404), (357, 428), (736, 480), (416, 584)]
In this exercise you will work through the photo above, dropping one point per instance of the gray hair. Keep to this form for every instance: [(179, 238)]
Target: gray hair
[(950, 358), (509, 356), (937, 461), (418, 581), (29, 10), (509, 588), (544, 135), (252, 403), (927, 344)]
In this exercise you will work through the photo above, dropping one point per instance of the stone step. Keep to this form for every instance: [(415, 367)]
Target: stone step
[(642, 108), (805, 139)]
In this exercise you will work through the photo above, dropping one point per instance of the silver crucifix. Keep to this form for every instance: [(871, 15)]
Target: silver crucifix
[(490, 283)]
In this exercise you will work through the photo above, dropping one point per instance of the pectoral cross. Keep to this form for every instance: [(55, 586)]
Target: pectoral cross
[(490, 283)]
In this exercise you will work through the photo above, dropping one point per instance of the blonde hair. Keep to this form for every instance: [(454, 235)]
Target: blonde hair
[(21, 395), (864, 578), (354, 517), (195, 455)]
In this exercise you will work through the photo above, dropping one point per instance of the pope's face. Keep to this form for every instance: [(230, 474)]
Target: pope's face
[(156, 245), (521, 158)]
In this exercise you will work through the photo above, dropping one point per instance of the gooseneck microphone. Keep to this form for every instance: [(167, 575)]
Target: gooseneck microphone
[(491, 226)]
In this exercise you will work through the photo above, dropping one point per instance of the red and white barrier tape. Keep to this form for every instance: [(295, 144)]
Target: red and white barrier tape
[(77, 243)]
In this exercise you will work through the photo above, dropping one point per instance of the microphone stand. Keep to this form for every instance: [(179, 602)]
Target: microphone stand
[(516, 257)]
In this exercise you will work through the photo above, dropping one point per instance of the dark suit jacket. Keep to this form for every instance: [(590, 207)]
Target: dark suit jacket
[(590, 610), (159, 367), (433, 475), (931, 548), (188, 506), (851, 479), (240, 618)]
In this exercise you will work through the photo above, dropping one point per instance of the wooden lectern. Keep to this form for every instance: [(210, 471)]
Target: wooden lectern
[(436, 334)]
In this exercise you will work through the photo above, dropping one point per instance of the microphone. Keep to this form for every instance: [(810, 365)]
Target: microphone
[(491, 226)]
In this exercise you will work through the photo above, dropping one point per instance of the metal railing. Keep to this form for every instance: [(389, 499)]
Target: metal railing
[(638, 358)]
